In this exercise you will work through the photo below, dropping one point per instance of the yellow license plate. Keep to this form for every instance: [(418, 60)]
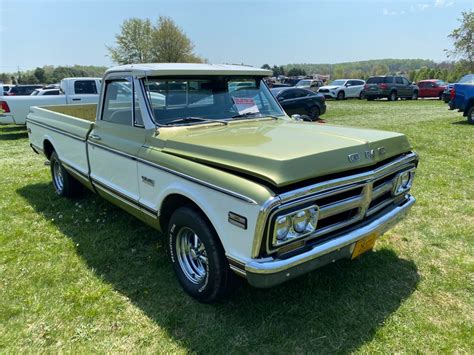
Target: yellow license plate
[(364, 245)]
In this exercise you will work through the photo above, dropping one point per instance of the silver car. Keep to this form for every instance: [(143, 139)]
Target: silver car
[(343, 88)]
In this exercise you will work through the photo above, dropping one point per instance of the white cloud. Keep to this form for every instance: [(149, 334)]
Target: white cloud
[(422, 7), (387, 12), (439, 3)]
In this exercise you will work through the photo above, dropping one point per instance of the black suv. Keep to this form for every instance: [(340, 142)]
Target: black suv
[(22, 90), (390, 86)]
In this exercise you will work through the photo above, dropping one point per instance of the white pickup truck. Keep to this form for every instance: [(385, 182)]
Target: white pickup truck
[(205, 154), (14, 109)]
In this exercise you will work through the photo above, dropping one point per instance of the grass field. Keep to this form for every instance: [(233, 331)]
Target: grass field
[(81, 275)]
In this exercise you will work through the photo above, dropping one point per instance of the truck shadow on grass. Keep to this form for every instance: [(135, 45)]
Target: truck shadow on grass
[(12, 132), (335, 309)]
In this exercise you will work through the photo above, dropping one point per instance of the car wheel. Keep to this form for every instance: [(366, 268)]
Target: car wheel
[(64, 184), (392, 96), (314, 114), (362, 95), (440, 96), (340, 95), (198, 257), (470, 115)]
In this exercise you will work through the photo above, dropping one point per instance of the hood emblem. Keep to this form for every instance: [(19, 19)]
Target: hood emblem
[(369, 154), (354, 157)]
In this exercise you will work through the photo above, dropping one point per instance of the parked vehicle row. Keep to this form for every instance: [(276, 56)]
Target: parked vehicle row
[(237, 186), (14, 109), (390, 87)]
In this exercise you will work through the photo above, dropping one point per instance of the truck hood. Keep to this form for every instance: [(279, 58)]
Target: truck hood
[(281, 152)]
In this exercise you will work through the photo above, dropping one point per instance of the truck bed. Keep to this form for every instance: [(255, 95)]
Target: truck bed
[(76, 120), (66, 128)]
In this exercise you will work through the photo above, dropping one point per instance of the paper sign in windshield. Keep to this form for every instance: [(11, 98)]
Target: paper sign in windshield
[(245, 105)]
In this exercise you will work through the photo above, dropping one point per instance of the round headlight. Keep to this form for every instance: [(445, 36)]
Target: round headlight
[(283, 225), (404, 180), (300, 221)]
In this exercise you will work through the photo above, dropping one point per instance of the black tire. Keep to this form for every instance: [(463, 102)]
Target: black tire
[(362, 95), (64, 184), (392, 96), (207, 281), (470, 115), (314, 114), (440, 96), (340, 95)]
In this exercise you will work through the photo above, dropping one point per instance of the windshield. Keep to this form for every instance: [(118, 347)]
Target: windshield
[(467, 79), (337, 83), (303, 83), (215, 98)]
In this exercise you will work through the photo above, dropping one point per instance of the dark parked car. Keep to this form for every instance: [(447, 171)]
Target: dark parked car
[(447, 93), (391, 87), (301, 102), (22, 90), (431, 88), (462, 97)]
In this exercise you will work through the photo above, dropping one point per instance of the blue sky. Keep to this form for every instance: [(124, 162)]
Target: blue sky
[(65, 32)]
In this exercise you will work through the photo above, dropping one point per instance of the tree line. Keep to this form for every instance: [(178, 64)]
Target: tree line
[(141, 41)]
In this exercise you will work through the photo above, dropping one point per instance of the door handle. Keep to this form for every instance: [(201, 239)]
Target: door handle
[(95, 136), (76, 99)]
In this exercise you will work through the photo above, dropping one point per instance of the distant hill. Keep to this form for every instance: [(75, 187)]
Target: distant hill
[(366, 68)]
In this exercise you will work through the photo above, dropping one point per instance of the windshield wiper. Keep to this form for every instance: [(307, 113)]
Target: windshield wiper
[(253, 114), (248, 115), (190, 119)]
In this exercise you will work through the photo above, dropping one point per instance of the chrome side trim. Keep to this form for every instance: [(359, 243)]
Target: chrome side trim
[(125, 199), (54, 129), (177, 173), (380, 226)]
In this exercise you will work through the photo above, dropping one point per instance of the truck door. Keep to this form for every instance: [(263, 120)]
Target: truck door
[(114, 142), (83, 92)]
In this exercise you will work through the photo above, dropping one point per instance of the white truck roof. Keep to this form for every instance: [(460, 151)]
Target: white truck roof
[(165, 69)]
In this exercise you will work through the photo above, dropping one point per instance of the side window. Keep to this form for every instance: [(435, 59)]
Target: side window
[(118, 102), (85, 87), (398, 80), (389, 79), (52, 92), (300, 93), (288, 94), (405, 81)]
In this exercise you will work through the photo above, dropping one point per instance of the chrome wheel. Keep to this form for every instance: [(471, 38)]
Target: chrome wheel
[(191, 254), (58, 176)]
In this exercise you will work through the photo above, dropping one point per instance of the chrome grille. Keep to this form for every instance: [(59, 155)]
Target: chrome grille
[(349, 201)]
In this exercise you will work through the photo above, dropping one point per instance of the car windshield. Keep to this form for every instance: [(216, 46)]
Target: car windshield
[(467, 79), (303, 83), (337, 82), (196, 100)]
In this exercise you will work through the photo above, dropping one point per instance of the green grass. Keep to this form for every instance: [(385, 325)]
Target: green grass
[(81, 275)]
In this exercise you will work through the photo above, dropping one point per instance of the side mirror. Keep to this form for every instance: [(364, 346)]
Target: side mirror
[(347, 85), (306, 118)]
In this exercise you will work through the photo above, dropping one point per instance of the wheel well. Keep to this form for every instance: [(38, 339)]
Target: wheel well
[(469, 104), (48, 148), (171, 203)]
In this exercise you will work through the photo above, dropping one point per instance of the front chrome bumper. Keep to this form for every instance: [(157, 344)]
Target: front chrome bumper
[(268, 273)]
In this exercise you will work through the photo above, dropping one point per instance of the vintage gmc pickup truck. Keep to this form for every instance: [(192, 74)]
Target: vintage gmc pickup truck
[(205, 154)]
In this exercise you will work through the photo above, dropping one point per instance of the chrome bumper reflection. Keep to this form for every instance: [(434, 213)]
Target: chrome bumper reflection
[(267, 273)]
